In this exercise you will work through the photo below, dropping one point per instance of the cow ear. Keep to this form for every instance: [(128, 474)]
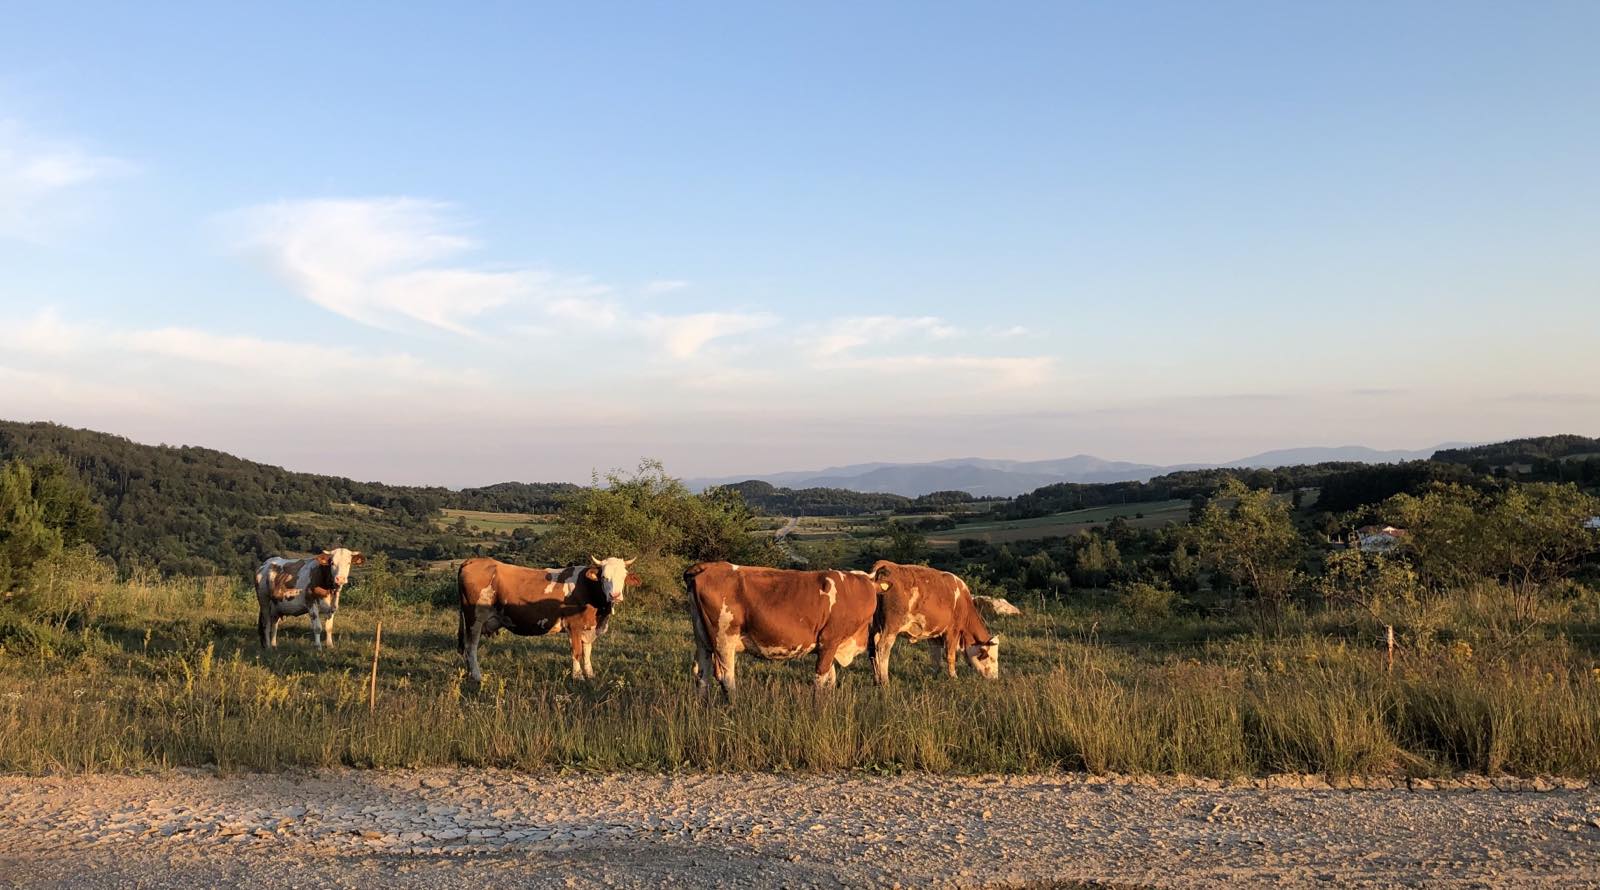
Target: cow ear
[(633, 580), (324, 558), (592, 573), (358, 558)]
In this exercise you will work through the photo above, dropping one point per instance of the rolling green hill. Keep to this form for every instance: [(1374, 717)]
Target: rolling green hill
[(196, 511)]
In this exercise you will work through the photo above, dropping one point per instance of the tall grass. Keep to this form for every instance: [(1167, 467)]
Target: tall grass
[(169, 675)]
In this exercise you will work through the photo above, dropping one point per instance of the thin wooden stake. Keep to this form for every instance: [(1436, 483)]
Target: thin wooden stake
[(1388, 630), (372, 685)]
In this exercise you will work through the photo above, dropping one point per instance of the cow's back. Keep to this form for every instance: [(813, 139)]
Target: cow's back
[(928, 598), (781, 611)]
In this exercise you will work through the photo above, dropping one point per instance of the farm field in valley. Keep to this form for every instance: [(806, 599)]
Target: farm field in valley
[(1154, 514), (488, 521)]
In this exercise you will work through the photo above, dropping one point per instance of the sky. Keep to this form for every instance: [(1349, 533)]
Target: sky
[(465, 243)]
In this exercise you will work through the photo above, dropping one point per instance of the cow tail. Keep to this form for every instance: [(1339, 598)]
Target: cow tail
[(702, 636), (461, 597), (875, 626)]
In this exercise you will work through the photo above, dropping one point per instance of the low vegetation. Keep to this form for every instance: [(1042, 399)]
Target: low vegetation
[(100, 674), (1244, 639)]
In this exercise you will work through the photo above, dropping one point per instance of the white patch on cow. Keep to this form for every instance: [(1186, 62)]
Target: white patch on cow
[(549, 588), (859, 572), (724, 622), (847, 652), (613, 577), (728, 647), (486, 595), (831, 591), (735, 568), (776, 653)]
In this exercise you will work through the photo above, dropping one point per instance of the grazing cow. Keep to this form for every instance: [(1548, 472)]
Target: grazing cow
[(777, 615), (302, 586), (927, 604), (533, 602)]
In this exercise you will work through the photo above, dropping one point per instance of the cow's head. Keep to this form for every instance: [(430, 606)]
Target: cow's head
[(984, 657), (612, 575), (338, 562)]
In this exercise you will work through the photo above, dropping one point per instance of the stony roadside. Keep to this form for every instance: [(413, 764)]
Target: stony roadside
[(448, 828)]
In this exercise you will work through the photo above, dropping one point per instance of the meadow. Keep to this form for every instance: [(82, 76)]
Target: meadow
[(98, 674), (1155, 514)]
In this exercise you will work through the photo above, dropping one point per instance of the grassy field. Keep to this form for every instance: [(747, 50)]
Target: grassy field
[(486, 521), (152, 675), (1142, 515)]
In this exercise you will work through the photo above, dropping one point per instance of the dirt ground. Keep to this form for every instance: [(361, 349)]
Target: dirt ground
[(448, 828)]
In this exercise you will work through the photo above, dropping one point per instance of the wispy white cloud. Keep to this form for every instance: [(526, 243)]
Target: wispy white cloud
[(682, 336), (47, 335), (386, 261), (844, 334), (36, 176)]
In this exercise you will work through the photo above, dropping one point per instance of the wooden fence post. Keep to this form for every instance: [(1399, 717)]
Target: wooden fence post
[(372, 684)]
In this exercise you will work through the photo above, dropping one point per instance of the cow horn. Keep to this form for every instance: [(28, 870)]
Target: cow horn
[(629, 562), (594, 560)]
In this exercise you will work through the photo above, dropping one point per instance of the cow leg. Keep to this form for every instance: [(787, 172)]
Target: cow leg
[(272, 629), (575, 637), (952, 648), (725, 662), (264, 625), (316, 627), (702, 668), (474, 620), (882, 646), (827, 677), (588, 649), (327, 630)]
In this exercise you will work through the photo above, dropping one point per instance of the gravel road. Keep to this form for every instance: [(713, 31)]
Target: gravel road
[(447, 828)]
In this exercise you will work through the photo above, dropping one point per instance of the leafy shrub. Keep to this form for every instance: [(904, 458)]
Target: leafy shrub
[(1147, 603)]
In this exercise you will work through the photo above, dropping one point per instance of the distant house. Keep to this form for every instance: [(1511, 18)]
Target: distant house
[(1379, 538)]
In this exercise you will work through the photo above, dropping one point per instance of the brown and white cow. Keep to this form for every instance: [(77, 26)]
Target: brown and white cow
[(303, 586), (533, 602), (927, 604), (777, 615)]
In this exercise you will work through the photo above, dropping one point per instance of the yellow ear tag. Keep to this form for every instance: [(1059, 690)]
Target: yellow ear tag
[(883, 585)]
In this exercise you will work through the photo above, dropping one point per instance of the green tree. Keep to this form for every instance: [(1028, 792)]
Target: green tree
[(654, 517), (43, 511), (1247, 535), (1527, 535), (903, 542)]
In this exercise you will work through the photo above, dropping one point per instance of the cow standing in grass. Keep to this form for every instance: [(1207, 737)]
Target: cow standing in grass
[(927, 604), (776, 614), (308, 586), (533, 602)]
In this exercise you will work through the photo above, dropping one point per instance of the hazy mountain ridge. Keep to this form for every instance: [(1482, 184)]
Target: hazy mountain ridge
[(990, 477)]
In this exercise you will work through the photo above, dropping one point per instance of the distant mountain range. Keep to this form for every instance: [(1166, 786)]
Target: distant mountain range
[(1007, 478)]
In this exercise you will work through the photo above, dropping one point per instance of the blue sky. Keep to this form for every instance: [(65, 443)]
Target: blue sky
[(461, 244)]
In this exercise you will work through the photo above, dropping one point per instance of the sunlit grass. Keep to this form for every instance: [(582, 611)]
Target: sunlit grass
[(169, 674)]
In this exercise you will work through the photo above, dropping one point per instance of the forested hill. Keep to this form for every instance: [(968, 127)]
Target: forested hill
[(196, 510), (1528, 451)]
